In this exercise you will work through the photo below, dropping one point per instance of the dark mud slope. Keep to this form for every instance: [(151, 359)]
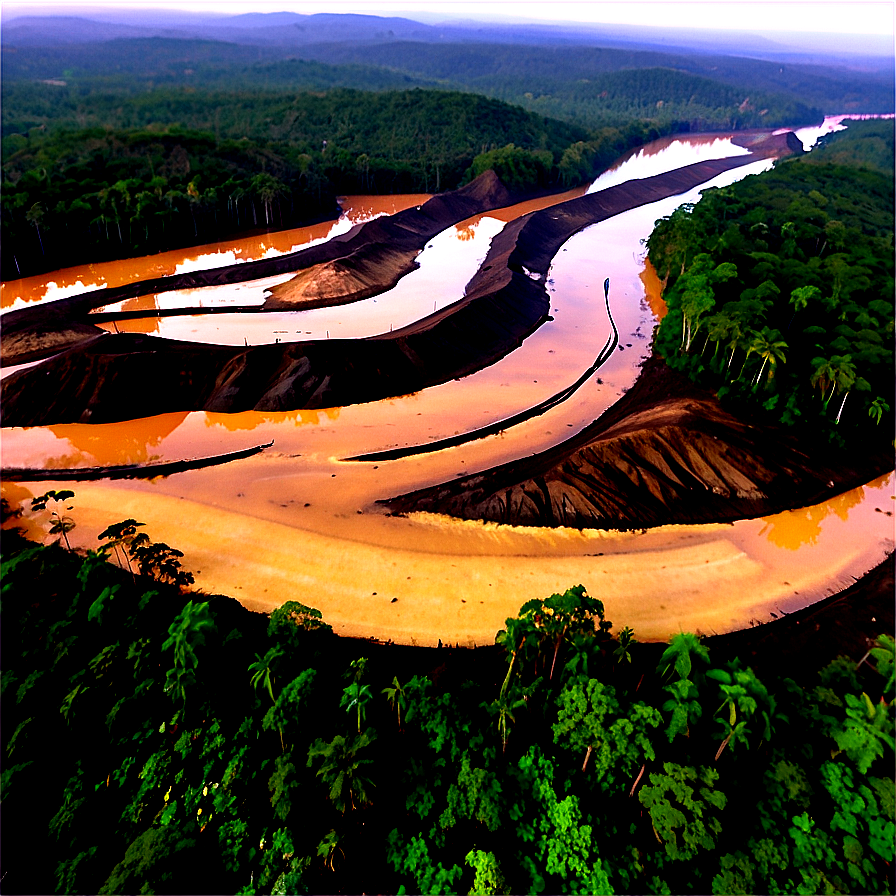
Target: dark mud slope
[(123, 376), (667, 452), (371, 270)]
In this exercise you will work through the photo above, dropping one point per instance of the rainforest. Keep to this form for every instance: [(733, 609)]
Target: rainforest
[(444, 460)]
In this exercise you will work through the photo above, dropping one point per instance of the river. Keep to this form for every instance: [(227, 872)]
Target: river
[(300, 523)]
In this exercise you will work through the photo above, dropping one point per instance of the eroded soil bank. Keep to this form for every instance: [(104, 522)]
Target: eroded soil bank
[(666, 452), (123, 376)]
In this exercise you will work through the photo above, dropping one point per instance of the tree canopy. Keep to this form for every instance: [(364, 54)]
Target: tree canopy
[(780, 287)]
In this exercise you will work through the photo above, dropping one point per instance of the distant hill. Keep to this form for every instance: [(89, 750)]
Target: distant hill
[(293, 29), (552, 69)]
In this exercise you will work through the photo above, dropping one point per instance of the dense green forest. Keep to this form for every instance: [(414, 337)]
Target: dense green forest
[(173, 168), (591, 86), (780, 288), (596, 86), (571, 85), (162, 740)]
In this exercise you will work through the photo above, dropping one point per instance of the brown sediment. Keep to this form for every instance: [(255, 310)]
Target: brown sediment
[(112, 378), (653, 290), (42, 337), (665, 453), (368, 272)]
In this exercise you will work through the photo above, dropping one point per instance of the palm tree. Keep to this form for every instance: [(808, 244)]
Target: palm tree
[(341, 768), (718, 327), (355, 697), (735, 338), (505, 706), (268, 189), (771, 351), (62, 523), (823, 376), (35, 216), (120, 536), (748, 343), (624, 644), (263, 670), (397, 697), (858, 383), (844, 376), (696, 300), (877, 409), (513, 639)]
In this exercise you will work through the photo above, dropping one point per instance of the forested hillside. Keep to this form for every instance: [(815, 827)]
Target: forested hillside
[(780, 287), (159, 741), (592, 87), (320, 106), (597, 86), (172, 168)]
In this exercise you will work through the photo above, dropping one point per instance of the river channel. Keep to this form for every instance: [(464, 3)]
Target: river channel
[(299, 522)]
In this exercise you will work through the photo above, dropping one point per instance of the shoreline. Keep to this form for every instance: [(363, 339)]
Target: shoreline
[(504, 303), (666, 453)]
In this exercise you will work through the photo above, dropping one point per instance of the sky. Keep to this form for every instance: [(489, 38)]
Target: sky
[(831, 16)]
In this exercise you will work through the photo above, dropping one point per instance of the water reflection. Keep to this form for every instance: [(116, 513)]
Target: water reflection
[(665, 154), (249, 420), (794, 528), (653, 290), (466, 232), (99, 275), (445, 266), (111, 444), (18, 498)]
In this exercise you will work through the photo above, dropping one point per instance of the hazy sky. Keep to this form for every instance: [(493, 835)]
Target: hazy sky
[(854, 16)]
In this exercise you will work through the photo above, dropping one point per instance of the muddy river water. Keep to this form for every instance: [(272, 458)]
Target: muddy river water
[(299, 522)]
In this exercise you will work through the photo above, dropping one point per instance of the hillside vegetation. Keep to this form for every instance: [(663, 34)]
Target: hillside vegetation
[(174, 168), (160, 741), (780, 288)]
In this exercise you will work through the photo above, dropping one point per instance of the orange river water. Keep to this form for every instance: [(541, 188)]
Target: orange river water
[(299, 523)]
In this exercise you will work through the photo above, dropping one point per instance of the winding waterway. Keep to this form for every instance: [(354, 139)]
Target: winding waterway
[(298, 522)]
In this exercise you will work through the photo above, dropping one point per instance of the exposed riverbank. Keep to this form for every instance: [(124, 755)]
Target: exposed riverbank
[(34, 332), (667, 452), (504, 302)]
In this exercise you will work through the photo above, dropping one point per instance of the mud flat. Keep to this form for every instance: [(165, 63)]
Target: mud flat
[(122, 376)]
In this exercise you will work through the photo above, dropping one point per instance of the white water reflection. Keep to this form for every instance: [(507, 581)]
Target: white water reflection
[(221, 259), (100, 275), (810, 136), (446, 265), (664, 155)]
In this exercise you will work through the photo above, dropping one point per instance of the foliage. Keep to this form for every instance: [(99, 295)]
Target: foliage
[(175, 168), (489, 880), (801, 799), (681, 804), (590, 718), (61, 523), (341, 769), (789, 275), (185, 635)]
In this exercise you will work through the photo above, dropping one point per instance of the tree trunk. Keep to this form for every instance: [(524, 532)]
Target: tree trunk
[(841, 407), (587, 757)]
